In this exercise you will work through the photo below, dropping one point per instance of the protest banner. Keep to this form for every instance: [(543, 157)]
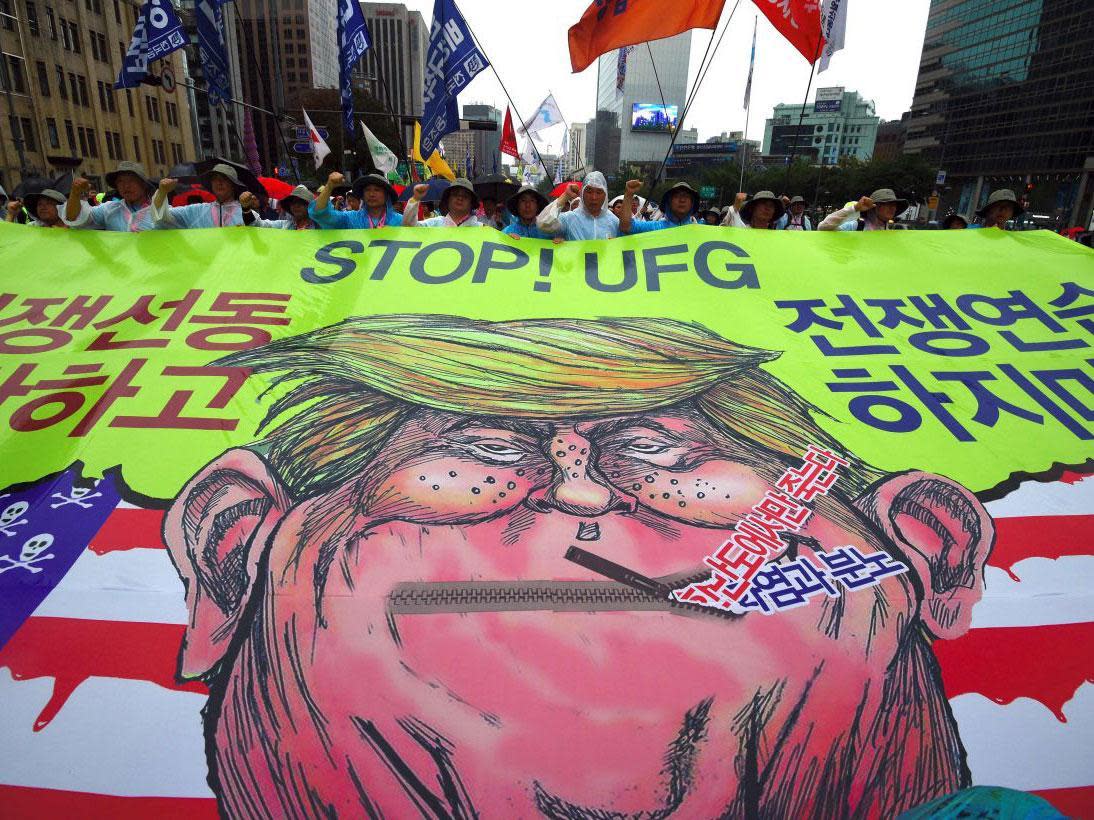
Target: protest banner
[(428, 499)]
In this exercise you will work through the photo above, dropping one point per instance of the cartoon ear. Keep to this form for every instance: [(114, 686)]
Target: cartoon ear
[(216, 531), (946, 534)]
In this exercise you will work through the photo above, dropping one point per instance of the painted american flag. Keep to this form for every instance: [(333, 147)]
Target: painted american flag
[(87, 686)]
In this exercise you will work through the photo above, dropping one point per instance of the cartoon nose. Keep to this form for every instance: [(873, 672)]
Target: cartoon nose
[(578, 489)]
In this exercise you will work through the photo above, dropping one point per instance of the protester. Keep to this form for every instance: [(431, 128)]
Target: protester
[(1001, 207), (458, 203), (132, 213), (761, 211), (377, 210), (429, 209), (615, 205), (795, 219), (525, 205), (710, 216), (878, 212), (954, 221), (225, 212), (352, 200), (492, 214), (42, 207), (590, 220), (678, 206), (295, 205)]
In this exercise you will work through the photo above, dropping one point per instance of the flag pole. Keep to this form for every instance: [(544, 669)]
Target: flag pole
[(748, 100), (801, 116), (523, 124)]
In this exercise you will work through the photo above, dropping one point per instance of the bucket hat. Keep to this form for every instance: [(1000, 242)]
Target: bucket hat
[(680, 186), (226, 171), (952, 217), (359, 185), (1002, 195), (30, 201), (134, 168), (762, 196), (460, 184), (883, 196), (511, 202), (301, 193)]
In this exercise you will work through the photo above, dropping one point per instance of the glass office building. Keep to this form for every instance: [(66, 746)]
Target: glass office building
[(1005, 98)]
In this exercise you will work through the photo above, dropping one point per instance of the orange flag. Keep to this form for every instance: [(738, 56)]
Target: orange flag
[(608, 24)]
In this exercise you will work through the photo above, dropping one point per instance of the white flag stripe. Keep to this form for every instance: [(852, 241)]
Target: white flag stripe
[(1052, 498), (130, 585), (319, 146), (113, 736), (1023, 746), (1059, 591)]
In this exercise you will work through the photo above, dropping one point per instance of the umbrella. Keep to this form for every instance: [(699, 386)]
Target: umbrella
[(30, 185), (497, 187), (436, 185), (184, 195), (277, 188), (560, 189)]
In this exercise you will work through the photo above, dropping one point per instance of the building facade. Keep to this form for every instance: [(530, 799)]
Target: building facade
[(1005, 98), (287, 48), (394, 67), (577, 150), (643, 86), (60, 110), (487, 144), (889, 143), (218, 128), (836, 124)]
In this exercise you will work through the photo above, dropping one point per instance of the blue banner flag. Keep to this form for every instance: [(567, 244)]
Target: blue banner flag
[(158, 32), (353, 41), (451, 62), (214, 56)]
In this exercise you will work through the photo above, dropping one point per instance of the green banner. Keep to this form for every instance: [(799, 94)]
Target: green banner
[(964, 353)]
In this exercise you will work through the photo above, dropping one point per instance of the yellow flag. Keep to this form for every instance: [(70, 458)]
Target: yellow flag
[(416, 150), (439, 167)]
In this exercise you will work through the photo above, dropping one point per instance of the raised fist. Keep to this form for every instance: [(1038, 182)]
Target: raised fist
[(572, 191), (740, 200), (248, 200), (864, 204), (80, 187), (633, 186), (14, 206), (167, 185), (420, 191), (335, 179)]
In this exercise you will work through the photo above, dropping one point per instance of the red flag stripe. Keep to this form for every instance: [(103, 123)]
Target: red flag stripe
[(1077, 803), (22, 802), (1041, 536), (71, 650), (1045, 663), (128, 529)]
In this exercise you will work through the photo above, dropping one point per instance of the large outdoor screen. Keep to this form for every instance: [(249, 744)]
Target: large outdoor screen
[(653, 117)]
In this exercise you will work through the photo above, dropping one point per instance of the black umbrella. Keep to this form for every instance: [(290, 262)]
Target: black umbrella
[(437, 186), (497, 187), (30, 185)]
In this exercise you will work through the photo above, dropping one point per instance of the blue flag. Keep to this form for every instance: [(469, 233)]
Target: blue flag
[(214, 56), (158, 32), (452, 60), (353, 41)]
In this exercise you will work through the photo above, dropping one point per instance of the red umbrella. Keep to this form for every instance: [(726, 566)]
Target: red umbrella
[(399, 189), (560, 189), (185, 197), (276, 188)]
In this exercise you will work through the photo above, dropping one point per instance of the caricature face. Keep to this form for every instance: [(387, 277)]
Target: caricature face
[(12, 512), (409, 603), (35, 546)]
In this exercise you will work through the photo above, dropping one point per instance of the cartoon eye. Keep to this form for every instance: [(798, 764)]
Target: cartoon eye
[(646, 446), (495, 450)]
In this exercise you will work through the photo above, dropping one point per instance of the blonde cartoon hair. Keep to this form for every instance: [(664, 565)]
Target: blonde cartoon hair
[(343, 389)]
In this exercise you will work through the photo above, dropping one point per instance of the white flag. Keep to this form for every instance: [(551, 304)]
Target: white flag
[(382, 157), (530, 157), (751, 63), (546, 116), (319, 146), (834, 26)]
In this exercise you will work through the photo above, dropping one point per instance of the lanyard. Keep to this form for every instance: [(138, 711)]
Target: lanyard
[(372, 224), (133, 218)]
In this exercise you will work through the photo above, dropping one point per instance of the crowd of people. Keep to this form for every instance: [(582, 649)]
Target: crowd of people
[(138, 203)]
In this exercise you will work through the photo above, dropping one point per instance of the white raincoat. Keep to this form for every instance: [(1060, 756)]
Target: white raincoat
[(579, 223)]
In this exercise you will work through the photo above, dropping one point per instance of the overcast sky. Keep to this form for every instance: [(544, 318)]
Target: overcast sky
[(529, 50)]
